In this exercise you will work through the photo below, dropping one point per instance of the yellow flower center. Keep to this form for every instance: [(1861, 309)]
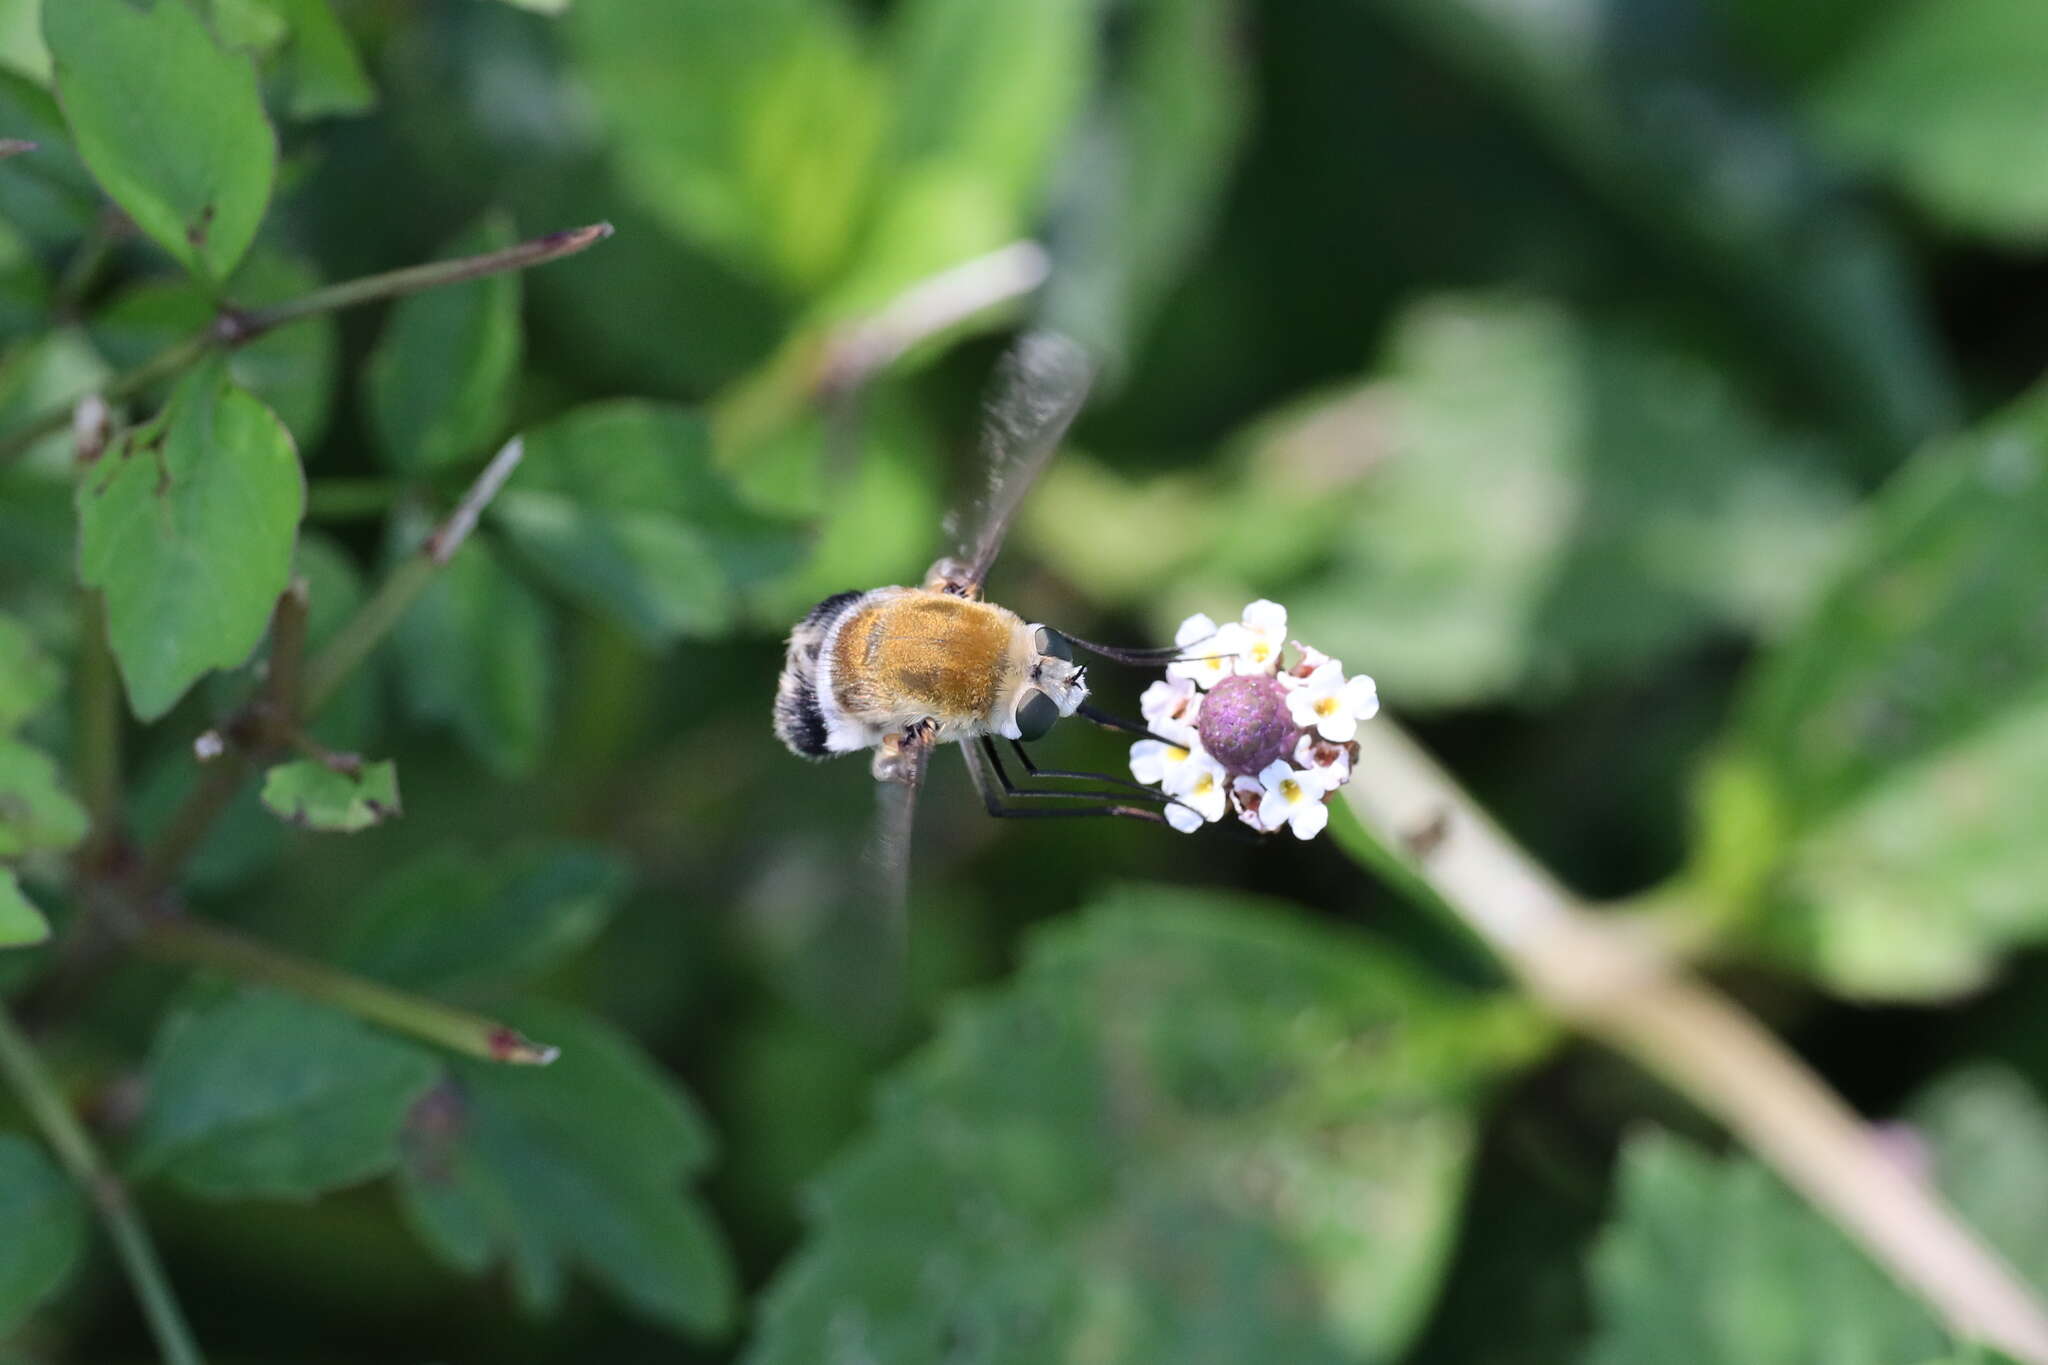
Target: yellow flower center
[(1327, 706), (1290, 791), (1261, 652), (1177, 754), (1202, 785)]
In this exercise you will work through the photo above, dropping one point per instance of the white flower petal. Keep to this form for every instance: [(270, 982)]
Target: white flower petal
[(1194, 768), (1301, 707), (1273, 774), (1266, 618), (1151, 761), (1207, 791), (1319, 779), (1183, 819), (1308, 819), (1272, 812), (1164, 700), (1196, 627), (1338, 727), (1362, 697)]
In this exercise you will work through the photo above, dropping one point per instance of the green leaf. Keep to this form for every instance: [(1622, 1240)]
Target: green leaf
[(45, 1220), (1986, 1129), (582, 1164), (1645, 114), (1524, 498), (474, 654), (1166, 142), (268, 1096), (54, 369), (29, 678), (21, 926), (451, 919), (169, 121), (35, 813), (21, 39), (252, 24), (1710, 1261), (313, 795), (1899, 739), (620, 507), (292, 369), (48, 194), (540, 6), (440, 380), (187, 526), (323, 72), (24, 287), (1193, 1129), (986, 101), (1944, 97), (1715, 1263), (753, 130)]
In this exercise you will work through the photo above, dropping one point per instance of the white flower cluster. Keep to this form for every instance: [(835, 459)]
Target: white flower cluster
[(1314, 733)]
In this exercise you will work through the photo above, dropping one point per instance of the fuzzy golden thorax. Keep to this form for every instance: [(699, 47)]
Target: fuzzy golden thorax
[(905, 654)]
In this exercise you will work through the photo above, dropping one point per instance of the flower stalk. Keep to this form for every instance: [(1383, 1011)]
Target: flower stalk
[(89, 1170), (1615, 986)]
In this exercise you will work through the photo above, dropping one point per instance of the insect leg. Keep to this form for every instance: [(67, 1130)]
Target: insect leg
[(1033, 770), (981, 776), (1137, 793)]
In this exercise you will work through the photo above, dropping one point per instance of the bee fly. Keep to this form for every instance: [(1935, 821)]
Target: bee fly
[(901, 670), (864, 666)]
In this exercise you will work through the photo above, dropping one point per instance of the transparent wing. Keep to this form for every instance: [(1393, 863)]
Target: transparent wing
[(857, 959), (1038, 390), (888, 852)]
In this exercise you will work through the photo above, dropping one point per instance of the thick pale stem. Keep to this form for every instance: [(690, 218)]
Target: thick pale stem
[(935, 304), (1614, 985), (201, 945), (88, 1169)]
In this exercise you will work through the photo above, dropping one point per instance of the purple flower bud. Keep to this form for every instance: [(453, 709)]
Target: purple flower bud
[(1245, 725)]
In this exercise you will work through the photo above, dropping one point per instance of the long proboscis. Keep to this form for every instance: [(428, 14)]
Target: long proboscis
[(1169, 654)]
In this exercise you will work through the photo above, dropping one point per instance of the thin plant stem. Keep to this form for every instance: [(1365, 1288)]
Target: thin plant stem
[(192, 820), (162, 366), (82, 272), (283, 687), (89, 1170), (193, 943), (363, 632), (247, 324), (322, 676), (1617, 986), (237, 327), (99, 728)]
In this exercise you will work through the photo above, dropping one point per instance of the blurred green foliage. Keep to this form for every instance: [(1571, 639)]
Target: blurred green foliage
[(1636, 388)]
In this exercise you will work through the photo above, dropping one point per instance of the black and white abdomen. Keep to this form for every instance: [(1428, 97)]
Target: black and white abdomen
[(799, 719)]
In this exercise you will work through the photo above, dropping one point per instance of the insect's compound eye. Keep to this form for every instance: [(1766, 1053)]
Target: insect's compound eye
[(1035, 714), (1051, 642)]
